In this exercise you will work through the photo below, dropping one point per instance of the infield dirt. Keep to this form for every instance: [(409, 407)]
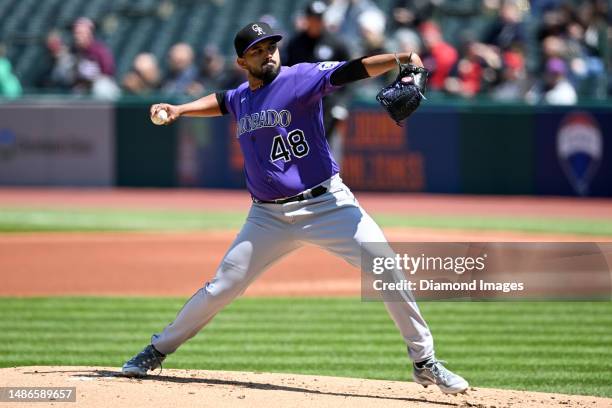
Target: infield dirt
[(177, 264), (103, 387)]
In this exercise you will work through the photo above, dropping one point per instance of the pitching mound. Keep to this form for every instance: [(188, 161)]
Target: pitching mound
[(103, 387)]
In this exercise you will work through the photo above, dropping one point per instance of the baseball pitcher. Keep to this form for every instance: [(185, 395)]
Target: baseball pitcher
[(298, 195)]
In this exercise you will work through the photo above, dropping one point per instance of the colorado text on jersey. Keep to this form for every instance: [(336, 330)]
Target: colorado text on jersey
[(267, 118)]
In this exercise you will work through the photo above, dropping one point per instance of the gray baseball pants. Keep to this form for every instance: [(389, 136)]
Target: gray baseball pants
[(333, 221)]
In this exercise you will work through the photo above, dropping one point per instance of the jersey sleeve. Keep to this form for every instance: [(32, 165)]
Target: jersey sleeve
[(312, 81), (228, 101)]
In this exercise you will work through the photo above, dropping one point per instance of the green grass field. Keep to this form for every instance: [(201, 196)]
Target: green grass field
[(27, 220), (547, 346), (543, 346)]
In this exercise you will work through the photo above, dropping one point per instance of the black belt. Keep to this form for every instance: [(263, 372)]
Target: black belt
[(315, 192)]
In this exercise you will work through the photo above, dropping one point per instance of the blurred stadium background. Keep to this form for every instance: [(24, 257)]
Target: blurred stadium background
[(132, 27), (518, 98)]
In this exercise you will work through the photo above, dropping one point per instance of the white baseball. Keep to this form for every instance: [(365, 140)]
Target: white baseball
[(160, 118)]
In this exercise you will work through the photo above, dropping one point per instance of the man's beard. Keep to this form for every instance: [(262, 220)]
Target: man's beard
[(267, 74)]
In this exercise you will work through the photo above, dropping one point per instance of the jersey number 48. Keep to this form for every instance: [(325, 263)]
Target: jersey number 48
[(297, 144)]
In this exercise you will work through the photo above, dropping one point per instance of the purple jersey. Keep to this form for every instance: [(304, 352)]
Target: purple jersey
[(281, 133)]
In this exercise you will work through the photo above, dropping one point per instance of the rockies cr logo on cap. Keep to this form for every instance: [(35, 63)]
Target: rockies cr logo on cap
[(251, 34), (257, 29)]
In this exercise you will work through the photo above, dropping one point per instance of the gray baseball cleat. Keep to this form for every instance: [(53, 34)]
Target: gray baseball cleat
[(147, 359), (433, 372)]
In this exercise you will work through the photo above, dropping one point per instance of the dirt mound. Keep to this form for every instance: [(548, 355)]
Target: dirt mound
[(103, 387)]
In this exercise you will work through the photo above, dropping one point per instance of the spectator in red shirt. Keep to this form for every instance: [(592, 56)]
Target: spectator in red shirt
[(514, 82), (479, 67), (439, 57), (95, 65)]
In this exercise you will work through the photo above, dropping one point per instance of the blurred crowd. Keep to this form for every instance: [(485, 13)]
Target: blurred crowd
[(538, 51)]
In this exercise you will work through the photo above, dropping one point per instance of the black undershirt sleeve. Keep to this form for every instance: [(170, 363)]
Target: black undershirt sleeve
[(352, 71), (221, 101)]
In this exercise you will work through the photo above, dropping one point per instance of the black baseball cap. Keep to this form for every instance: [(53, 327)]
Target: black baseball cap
[(253, 33)]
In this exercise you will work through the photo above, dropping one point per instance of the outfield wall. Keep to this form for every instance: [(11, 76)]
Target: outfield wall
[(57, 143), (451, 148)]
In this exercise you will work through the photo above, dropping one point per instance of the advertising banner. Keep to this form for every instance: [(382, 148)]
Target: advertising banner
[(420, 156), (574, 153), (57, 144)]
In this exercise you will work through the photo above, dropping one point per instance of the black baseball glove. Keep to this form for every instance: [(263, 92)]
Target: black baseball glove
[(403, 97)]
